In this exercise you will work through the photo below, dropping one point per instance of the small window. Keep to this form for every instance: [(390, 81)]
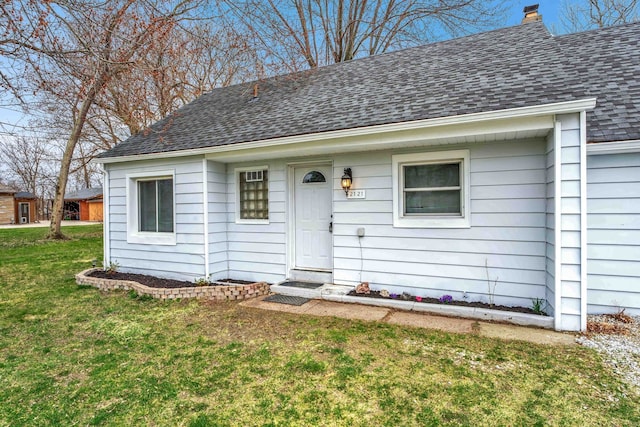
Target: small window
[(253, 195), (431, 189), (155, 206), (313, 176)]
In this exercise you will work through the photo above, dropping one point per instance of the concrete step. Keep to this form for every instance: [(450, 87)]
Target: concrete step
[(327, 289)]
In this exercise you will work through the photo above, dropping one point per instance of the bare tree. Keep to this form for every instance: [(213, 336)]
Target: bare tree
[(27, 158), (581, 15), (31, 165), (317, 32), (71, 50), (177, 69)]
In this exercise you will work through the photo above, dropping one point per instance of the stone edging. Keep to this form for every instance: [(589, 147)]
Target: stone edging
[(217, 293)]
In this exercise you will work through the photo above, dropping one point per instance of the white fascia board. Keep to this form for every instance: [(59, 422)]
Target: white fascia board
[(615, 147), (450, 121)]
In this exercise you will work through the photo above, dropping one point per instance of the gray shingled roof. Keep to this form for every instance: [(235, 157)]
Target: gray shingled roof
[(24, 195), (512, 67), (607, 64), (85, 194)]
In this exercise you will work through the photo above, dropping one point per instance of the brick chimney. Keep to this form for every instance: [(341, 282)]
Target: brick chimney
[(531, 14)]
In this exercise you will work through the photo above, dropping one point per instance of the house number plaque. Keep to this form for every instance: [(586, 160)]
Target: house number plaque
[(356, 194)]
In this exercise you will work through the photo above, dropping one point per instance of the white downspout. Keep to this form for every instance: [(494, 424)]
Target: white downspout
[(106, 220), (205, 210)]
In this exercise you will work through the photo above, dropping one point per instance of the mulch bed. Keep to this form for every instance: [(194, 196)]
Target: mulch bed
[(158, 282), (477, 304)]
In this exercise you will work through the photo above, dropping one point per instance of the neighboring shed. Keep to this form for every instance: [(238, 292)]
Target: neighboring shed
[(25, 207), (84, 205), (7, 215)]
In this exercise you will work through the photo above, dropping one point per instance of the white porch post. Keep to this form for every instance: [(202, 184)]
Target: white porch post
[(570, 222)]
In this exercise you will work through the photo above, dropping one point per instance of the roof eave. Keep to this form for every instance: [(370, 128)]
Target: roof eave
[(551, 109)]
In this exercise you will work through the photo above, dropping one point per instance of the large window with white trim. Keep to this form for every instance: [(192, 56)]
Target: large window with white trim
[(155, 205), (151, 208), (431, 189)]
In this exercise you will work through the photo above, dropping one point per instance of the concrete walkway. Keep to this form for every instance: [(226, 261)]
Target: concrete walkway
[(318, 307), (47, 223)]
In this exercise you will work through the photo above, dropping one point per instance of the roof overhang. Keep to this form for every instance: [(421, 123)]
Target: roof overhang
[(83, 199), (515, 123)]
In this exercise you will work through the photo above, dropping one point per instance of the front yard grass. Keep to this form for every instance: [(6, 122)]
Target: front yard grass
[(71, 355)]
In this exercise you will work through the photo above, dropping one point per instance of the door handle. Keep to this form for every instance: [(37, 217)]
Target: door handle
[(331, 227)]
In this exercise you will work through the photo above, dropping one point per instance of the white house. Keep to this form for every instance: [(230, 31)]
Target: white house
[(511, 155)]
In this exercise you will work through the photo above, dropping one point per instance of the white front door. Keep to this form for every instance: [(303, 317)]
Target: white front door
[(312, 200)]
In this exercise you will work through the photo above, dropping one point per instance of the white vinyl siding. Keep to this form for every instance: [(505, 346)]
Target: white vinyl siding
[(217, 201), (257, 251), (185, 259), (550, 247), (507, 229), (568, 266), (614, 233)]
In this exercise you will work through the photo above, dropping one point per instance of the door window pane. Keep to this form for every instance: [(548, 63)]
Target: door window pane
[(313, 176)]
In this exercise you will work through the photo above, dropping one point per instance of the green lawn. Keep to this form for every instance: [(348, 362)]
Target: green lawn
[(71, 355)]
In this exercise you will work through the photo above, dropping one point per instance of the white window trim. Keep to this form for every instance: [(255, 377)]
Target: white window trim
[(431, 221), (147, 237), (236, 174)]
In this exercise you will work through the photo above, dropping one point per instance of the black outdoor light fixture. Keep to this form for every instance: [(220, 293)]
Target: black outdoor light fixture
[(346, 180)]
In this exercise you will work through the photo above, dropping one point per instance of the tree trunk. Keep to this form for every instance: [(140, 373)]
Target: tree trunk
[(57, 212)]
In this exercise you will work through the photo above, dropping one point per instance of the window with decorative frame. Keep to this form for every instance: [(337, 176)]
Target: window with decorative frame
[(252, 195), (431, 189)]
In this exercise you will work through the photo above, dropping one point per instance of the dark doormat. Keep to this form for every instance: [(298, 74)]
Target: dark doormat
[(286, 299), (305, 285)]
